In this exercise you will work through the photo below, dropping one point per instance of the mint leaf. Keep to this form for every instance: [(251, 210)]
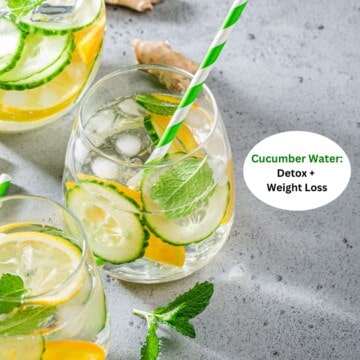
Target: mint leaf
[(188, 305), (11, 286), (150, 350), (182, 326), (178, 191), (176, 314), (156, 106), (22, 7), (26, 320), (191, 303)]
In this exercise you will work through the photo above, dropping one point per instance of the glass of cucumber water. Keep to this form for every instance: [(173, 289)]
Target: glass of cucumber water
[(157, 221), (49, 53), (52, 303)]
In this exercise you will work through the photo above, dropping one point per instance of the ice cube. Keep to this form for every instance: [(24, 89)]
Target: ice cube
[(100, 126), (15, 98), (216, 144), (133, 142), (132, 108), (76, 70), (128, 144), (196, 119), (218, 165), (104, 168), (28, 260), (81, 151), (54, 10), (48, 98)]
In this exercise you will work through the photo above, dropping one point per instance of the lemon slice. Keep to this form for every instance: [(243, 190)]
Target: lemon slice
[(72, 349), (47, 263)]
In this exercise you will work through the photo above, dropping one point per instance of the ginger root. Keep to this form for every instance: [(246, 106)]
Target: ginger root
[(138, 5), (160, 52)]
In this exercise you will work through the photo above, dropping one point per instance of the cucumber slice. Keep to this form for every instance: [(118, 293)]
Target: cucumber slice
[(150, 129), (97, 318), (86, 12), (189, 229), (12, 44), (86, 316), (29, 347), (110, 218), (42, 59)]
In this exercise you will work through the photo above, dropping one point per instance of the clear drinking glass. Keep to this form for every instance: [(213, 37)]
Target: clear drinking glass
[(49, 53), (149, 222), (52, 301)]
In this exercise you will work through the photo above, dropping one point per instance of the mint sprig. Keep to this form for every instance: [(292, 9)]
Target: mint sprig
[(179, 190), (11, 288), (176, 314), (156, 106)]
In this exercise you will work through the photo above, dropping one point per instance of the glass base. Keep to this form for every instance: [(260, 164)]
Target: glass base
[(150, 272)]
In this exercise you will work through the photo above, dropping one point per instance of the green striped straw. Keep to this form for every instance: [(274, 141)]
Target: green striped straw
[(198, 80), (5, 180)]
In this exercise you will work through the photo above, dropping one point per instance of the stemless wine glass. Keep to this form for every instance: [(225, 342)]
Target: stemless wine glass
[(49, 53), (158, 221), (52, 300)]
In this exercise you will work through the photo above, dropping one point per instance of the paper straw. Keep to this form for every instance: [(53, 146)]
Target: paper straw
[(5, 181), (198, 80)]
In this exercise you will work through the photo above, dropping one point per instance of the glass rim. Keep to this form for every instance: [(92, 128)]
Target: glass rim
[(84, 249), (170, 161)]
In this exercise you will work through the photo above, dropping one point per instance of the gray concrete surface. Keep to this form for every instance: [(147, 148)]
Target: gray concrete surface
[(286, 283)]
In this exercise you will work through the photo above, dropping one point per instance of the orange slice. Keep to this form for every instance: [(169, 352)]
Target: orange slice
[(72, 350), (184, 141), (231, 204), (172, 99), (187, 141), (88, 41), (167, 98), (158, 250)]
